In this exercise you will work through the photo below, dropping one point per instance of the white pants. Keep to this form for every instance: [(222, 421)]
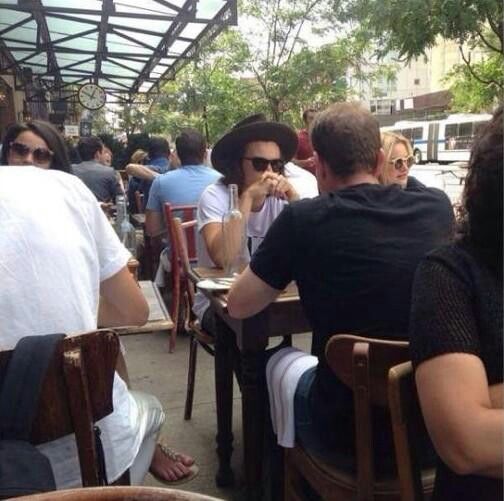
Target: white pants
[(151, 417)]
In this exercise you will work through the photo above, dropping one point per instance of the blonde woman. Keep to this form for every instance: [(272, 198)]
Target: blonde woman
[(398, 159)]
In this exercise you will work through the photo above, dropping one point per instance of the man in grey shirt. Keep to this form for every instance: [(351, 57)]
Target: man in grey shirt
[(92, 171)]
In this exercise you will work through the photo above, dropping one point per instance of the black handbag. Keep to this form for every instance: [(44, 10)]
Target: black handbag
[(24, 470)]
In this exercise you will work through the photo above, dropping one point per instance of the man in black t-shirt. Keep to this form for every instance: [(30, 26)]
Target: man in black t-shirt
[(352, 252)]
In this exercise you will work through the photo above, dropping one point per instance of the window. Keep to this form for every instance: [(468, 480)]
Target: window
[(451, 133), (417, 133), (416, 81), (406, 133), (451, 130), (465, 129)]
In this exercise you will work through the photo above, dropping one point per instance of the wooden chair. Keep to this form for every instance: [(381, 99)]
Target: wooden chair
[(184, 213), (191, 323), (119, 494), (409, 430), (362, 364), (76, 392), (178, 305)]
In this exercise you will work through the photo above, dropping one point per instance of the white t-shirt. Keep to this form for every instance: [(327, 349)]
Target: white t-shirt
[(212, 206), (56, 246), (304, 182)]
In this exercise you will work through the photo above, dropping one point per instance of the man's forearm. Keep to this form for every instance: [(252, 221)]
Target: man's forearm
[(141, 171)]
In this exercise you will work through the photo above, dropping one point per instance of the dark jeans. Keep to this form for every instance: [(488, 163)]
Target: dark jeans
[(307, 432)]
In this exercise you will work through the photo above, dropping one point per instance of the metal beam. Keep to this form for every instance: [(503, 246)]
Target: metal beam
[(36, 8), (48, 11), (72, 37), (101, 48), (148, 60), (227, 15), (75, 19), (135, 30), (21, 61), (127, 87), (69, 50), (77, 63), (173, 31), (120, 65), (171, 6), (42, 45), (14, 65), (133, 40), (16, 25)]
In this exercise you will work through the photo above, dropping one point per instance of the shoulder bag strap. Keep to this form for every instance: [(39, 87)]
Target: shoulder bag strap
[(22, 384)]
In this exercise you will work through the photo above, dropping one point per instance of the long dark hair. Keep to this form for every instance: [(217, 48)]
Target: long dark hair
[(481, 212), (53, 139)]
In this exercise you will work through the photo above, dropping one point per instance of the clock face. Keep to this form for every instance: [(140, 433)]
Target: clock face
[(92, 96)]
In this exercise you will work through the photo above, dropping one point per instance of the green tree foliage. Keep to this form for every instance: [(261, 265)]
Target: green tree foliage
[(277, 34), (133, 117), (411, 27), (266, 67), (210, 94), (476, 94)]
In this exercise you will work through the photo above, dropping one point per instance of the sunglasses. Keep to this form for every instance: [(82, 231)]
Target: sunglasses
[(260, 164), (40, 155), (400, 163)]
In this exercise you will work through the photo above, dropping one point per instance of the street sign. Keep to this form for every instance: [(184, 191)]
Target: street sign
[(71, 130)]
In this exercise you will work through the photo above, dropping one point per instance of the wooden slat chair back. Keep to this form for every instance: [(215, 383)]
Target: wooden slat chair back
[(362, 364), (191, 323), (184, 213), (76, 392), (409, 429), (177, 309), (119, 494)]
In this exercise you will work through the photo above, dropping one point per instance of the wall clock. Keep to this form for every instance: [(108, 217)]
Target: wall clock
[(92, 96)]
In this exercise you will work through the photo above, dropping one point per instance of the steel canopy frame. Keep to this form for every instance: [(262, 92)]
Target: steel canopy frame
[(129, 68)]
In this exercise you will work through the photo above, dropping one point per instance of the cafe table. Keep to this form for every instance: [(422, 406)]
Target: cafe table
[(283, 317)]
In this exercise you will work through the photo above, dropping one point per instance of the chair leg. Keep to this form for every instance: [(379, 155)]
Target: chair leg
[(191, 373), (178, 324)]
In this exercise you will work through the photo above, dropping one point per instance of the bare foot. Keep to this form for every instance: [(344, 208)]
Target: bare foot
[(169, 468)]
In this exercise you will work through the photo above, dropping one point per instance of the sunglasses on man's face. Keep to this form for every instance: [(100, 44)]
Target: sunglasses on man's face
[(401, 163), (260, 164), (40, 155)]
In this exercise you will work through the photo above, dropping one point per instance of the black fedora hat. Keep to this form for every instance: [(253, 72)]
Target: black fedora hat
[(253, 128)]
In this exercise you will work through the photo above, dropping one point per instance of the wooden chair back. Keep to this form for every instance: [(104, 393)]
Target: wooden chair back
[(190, 323), (184, 213), (119, 494), (139, 200), (408, 428), (76, 392), (183, 288), (363, 365), (179, 299)]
